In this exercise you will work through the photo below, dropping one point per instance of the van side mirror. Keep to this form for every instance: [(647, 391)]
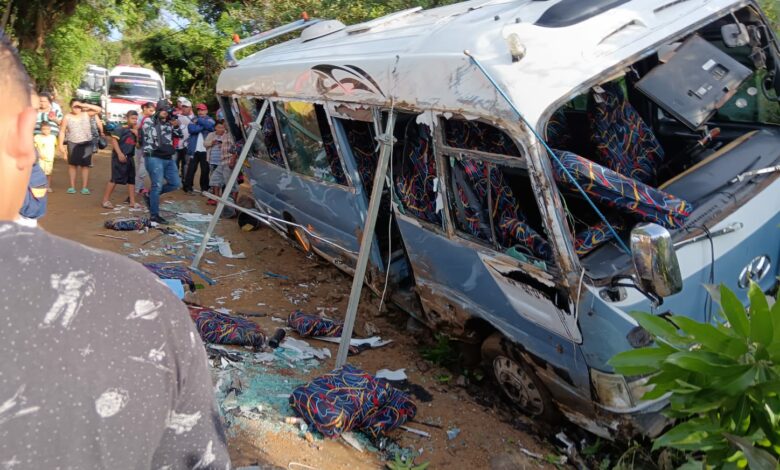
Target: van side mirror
[(655, 261)]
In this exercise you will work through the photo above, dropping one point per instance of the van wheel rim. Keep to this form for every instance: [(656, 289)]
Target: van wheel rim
[(518, 385)]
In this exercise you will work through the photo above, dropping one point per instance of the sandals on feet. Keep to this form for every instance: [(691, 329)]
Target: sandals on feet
[(85, 192), (107, 205), (71, 191)]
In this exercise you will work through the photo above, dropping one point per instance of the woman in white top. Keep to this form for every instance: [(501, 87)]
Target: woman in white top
[(76, 131)]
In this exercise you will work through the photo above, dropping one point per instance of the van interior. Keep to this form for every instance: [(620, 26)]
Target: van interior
[(659, 138)]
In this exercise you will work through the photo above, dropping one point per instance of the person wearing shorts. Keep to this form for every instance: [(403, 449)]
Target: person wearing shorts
[(123, 141), (76, 132), (220, 154), (46, 146)]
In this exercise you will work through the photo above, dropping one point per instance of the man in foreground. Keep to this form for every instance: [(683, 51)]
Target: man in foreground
[(102, 367)]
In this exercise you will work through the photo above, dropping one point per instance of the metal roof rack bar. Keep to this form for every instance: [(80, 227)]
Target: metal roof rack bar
[(230, 55)]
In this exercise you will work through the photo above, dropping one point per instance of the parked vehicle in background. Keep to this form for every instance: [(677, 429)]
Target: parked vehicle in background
[(129, 87), (659, 172), (93, 85)]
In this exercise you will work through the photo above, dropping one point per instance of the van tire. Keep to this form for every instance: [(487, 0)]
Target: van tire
[(517, 380)]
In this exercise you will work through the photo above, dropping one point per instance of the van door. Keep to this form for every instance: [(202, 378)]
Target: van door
[(474, 235)]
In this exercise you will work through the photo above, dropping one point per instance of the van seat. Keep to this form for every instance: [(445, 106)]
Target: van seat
[(415, 181), (630, 196), (470, 177), (625, 143)]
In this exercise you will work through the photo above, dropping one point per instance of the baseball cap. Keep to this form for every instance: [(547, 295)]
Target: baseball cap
[(185, 102), (201, 106)]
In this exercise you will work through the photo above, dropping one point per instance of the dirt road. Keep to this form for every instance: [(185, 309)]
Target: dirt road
[(482, 431)]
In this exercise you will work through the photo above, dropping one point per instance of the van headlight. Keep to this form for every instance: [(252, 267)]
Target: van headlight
[(617, 391)]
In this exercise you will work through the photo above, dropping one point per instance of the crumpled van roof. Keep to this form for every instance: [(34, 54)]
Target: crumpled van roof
[(418, 60)]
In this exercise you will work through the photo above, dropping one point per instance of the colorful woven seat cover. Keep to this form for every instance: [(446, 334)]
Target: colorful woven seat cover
[(625, 143), (510, 224), (307, 324), (348, 398), (594, 236), (415, 182), (364, 149), (125, 224), (612, 189), (219, 328), (172, 271)]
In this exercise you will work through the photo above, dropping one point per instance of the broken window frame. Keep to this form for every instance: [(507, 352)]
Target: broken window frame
[(446, 151), (265, 155), (397, 204), (226, 104), (273, 103)]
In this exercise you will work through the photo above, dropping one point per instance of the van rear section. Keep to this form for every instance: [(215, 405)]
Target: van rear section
[(580, 161)]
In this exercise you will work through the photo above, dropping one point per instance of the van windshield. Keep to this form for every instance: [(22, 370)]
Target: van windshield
[(665, 141), (135, 88)]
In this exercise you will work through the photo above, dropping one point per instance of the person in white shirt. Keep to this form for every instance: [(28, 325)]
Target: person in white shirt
[(185, 117)]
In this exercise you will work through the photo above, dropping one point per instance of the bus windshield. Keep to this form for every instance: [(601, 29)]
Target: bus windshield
[(133, 87)]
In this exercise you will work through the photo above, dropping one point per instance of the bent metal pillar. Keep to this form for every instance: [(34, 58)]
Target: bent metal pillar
[(231, 181), (386, 140)]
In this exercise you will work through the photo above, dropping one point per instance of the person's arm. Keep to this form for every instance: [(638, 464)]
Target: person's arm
[(194, 127), (115, 145), (210, 125), (88, 106), (149, 137), (61, 138), (99, 123), (209, 141)]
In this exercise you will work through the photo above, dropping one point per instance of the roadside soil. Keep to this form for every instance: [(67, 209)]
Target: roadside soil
[(491, 434)]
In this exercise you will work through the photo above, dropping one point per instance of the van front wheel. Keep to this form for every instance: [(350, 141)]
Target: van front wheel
[(518, 381)]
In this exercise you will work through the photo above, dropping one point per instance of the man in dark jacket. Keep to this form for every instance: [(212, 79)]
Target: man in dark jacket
[(199, 128), (158, 132)]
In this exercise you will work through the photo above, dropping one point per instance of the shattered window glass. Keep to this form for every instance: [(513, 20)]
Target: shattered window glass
[(308, 141), (414, 170)]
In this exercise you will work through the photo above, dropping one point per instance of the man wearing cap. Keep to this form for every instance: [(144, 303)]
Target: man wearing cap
[(200, 127), (185, 117)]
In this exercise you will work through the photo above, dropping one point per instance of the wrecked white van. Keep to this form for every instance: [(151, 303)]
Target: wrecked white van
[(584, 159)]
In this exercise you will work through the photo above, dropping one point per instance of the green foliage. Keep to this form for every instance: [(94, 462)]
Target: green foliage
[(399, 464), (442, 353), (723, 381)]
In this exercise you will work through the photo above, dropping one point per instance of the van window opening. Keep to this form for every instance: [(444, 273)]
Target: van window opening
[(266, 143), (490, 202), (630, 141), (362, 144), (230, 119), (414, 167), (134, 88), (308, 141)]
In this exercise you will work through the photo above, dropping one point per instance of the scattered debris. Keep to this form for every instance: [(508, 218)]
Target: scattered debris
[(276, 276), (392, 375), (278, 336), (415, 431), (112, 236), (227, 252), (350, 439), (194, 217), (245, 271), (452, 433), (126, 224)]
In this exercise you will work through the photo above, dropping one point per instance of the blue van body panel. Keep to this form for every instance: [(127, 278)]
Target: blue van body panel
[(604, 325), (335, 212), (453, 271)]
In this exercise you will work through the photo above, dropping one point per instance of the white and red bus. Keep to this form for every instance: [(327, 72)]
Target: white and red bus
[(129, 87)]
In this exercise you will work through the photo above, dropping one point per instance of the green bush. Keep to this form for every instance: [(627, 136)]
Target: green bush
[(722, 380)]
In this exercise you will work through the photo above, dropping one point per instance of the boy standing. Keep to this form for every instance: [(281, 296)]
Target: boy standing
[(46, 145), (123, 141), (219, 147)]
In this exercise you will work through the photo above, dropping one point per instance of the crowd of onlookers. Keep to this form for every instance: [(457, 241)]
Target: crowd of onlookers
[(153, 152)]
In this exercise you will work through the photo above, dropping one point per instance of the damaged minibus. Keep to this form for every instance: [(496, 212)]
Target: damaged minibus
[(554, 165)]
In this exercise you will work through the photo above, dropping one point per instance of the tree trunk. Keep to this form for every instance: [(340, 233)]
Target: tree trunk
[(6, 15)]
